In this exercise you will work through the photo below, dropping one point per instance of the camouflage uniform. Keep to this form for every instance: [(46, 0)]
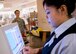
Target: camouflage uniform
[(21, 24)]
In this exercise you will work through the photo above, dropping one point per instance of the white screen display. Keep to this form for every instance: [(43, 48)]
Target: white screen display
[(14, 38)]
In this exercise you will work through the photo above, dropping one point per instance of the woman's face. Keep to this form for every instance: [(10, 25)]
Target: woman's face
[(53, 15)]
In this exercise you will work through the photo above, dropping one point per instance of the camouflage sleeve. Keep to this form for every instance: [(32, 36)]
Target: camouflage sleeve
[(13, 21), (24, 24)]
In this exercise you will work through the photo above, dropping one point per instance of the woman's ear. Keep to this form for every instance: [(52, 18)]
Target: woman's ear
[(63, 9)]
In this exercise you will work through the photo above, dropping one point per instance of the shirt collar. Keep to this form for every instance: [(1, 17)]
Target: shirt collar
[(63, 27)]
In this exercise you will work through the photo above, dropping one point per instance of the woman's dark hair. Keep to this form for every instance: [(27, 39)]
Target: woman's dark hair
[(70, 4)]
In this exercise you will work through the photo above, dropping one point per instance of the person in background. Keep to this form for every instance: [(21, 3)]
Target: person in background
[(26, 22), (20, 22), (63, 38)]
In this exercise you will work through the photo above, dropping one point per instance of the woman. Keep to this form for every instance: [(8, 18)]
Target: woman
[(63, 38)]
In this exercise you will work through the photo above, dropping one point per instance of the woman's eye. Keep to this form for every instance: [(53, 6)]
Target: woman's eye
[(48, 12)]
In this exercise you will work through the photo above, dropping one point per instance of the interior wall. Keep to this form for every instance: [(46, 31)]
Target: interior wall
[(42, 21)]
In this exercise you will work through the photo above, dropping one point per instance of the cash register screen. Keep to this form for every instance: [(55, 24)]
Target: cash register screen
[(14, 39)]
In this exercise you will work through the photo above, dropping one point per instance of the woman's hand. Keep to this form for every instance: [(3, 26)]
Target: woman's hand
[(29, 50)]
